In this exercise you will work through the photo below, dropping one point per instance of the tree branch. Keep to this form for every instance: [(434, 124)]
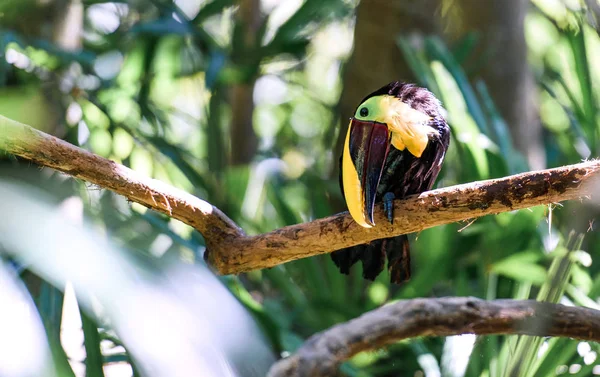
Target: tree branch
[(322, 353), (46, 150), (429, 209), (230, 251)]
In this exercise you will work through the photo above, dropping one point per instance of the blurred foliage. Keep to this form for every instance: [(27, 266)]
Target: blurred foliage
[(151, 90)]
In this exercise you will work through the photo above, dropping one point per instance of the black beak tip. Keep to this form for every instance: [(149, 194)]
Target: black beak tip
[(369, 218)]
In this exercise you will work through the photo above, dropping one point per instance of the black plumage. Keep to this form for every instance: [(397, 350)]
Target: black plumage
[(403, 174)]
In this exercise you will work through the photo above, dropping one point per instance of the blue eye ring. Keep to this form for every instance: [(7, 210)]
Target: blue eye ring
[(364, 112)]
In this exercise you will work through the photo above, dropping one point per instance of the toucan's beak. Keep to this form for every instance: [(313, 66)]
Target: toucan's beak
[(366, 148)]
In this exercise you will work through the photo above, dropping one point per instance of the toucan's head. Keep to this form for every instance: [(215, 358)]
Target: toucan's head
[(398, 115)]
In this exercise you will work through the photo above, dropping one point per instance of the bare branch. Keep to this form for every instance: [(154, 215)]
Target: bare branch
[(432, 208), (46, 150), (322, 353), (231, 251)]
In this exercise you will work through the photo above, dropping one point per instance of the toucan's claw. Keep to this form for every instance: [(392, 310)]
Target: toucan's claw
[(388, 205)]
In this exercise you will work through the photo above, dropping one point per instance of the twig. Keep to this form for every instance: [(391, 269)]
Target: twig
[(230, 251), (322, 353)]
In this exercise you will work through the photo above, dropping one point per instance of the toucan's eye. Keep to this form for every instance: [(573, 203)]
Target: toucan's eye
[(364, 112)]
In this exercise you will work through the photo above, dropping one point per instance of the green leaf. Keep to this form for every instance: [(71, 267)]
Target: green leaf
[(515, 161), (94, 361), (524, 361), (212, 8), (519, 268), (463, 125), (50, 306), (577, 42), (284, 210), (162, 26), (438, 51), (294, 31), (418, 64), (560, 351), (262, 316), (425, 358), (464, 47)]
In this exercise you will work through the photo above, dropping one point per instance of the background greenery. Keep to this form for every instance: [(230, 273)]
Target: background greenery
[(237, 103)]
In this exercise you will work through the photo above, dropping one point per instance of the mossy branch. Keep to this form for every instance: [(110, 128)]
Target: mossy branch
[(231, 251)]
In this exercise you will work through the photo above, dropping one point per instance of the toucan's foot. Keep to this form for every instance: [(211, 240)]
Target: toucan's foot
[(388, 205)]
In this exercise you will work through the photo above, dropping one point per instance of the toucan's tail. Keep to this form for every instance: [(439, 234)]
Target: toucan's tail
[(373, 256)]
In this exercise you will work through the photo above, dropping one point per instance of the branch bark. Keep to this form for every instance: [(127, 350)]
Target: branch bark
[(46, 150), (230, 251), (322, 353)]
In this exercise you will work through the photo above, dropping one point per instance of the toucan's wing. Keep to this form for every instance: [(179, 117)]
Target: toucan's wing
[(431, 163), (407, 175)]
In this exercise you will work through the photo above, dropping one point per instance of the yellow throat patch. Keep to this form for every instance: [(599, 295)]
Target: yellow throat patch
[(409, 127)]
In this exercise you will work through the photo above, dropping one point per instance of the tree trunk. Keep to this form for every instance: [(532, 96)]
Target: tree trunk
[(500, 24), (244, 141)]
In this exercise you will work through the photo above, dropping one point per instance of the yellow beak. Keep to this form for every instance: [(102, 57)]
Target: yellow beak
[(365, 150)]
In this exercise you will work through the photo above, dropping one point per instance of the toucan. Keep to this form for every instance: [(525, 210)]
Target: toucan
[(395, 147)]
